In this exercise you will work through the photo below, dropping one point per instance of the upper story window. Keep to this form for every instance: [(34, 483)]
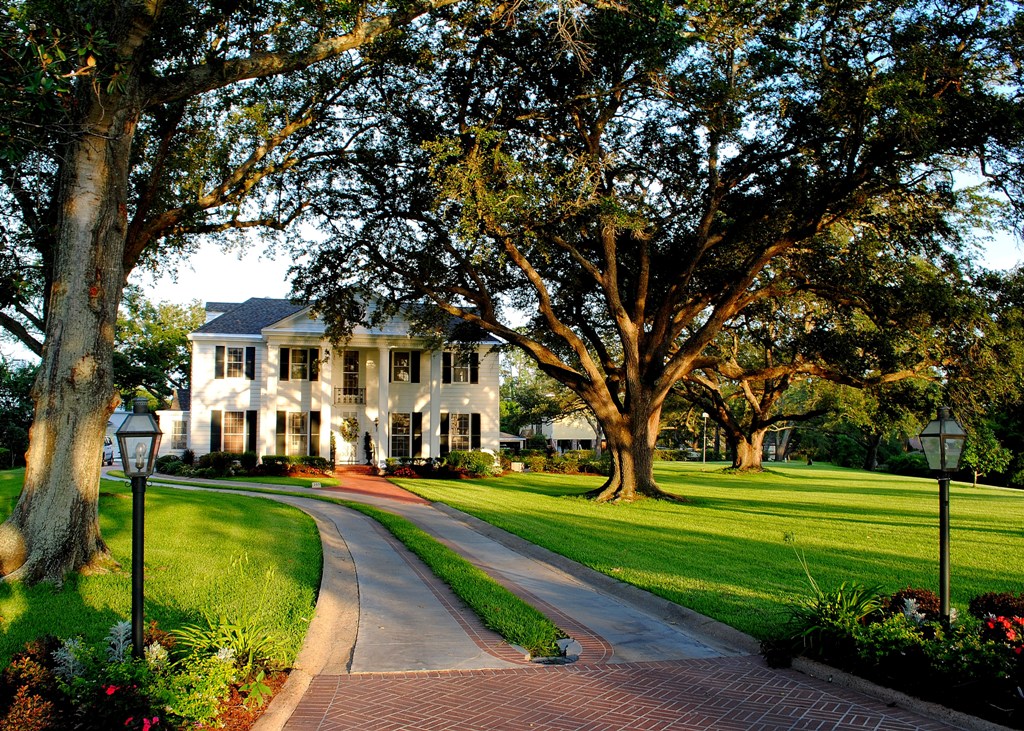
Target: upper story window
[(405, 366), (234, 361), (460, 367), (401, 366), (300, 364)]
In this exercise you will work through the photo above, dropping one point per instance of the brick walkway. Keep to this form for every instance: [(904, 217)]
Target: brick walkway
[(725, 694), (731, 693)]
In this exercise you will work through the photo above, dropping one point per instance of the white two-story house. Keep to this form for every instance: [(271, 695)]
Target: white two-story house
[(265, 380)]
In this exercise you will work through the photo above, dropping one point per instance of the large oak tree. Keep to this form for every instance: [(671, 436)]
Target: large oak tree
[(637, 193), (87, 87)]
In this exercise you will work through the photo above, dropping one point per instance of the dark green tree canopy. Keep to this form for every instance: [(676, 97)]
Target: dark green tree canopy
[(636, 193)]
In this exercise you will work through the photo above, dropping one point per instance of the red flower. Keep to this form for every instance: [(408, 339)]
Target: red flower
[(111, 689), (147, 724), (129, 720)]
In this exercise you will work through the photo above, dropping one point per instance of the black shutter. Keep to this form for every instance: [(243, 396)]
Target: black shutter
[(314, 364), (446, 367), (218, 362), (474, 431), (250, 363), (391, 366), (215, 417), (444, 433), (281, 441), (417, 434), (250, 431), (314, 433), (414, 367), (474, 367), (284, 365)]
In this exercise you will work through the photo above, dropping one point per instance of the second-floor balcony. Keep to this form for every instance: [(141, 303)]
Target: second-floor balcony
[(347, 395)]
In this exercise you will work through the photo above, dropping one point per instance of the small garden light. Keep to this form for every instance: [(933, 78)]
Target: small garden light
[(139, 440), (943, 442)]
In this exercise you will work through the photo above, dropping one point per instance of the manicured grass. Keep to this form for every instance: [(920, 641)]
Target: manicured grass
[(516, 621), (725, 553), (499, 609), (205, 553)]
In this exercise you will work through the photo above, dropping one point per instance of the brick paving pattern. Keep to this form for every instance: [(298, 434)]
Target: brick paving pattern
[(724, 694)]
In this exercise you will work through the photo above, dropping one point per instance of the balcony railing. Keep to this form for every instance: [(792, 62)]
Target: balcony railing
[(344, 395)]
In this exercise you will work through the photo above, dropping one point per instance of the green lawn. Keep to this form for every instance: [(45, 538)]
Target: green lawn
[(205, 552), (724, 554)]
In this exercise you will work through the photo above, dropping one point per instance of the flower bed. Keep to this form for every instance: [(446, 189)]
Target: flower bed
[(974, 663)]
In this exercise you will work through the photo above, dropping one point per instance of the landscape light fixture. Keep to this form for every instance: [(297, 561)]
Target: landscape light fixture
[(138, 437), (943, 443)]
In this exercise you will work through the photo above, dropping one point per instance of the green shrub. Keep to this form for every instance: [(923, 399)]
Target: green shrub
[(912, 464), (248, 460), (276, 464), (165, 461), (894, 646), (175, 468), (320, 465), (188, 457), (537, 463), (475, 463)]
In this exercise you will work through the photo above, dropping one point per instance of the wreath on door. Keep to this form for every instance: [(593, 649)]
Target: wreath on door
[(349, 429)]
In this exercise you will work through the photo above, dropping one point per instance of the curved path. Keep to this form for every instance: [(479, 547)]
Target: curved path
[(392, 649)]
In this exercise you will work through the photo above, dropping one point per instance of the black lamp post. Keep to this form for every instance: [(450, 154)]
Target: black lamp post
[(139, 440), (943, 443)]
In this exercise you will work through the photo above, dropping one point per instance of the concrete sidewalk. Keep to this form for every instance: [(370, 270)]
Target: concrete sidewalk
[(391, 648)]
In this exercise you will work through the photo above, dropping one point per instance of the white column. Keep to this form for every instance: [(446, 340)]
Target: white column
[(383, 407), (435, 404), (326, 400)]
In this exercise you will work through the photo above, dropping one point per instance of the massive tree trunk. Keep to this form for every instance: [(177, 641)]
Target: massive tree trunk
[(54, 528), (631, 438), (749, 450)]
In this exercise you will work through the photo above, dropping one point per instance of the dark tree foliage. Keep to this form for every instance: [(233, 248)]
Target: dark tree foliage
[(639, 192)]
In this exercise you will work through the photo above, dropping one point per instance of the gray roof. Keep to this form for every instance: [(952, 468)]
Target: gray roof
[(221, 306), (251, 316)]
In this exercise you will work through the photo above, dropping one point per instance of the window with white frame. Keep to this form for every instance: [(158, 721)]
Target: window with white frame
[(350, 373), (401, 435), (234, 362), (299, 368), (401, 366), (459, 432), (179, 434), (298, 434), (461, 368), (233, 434)]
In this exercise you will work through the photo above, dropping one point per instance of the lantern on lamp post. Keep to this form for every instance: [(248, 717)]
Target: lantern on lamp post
[(138, 438), (943, 442)]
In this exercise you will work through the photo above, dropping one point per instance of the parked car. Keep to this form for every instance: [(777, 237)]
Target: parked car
[(108, 450)]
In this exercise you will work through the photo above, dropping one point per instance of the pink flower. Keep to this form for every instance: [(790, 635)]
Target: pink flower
[(111, 689), (148, 724), (128, 721)]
